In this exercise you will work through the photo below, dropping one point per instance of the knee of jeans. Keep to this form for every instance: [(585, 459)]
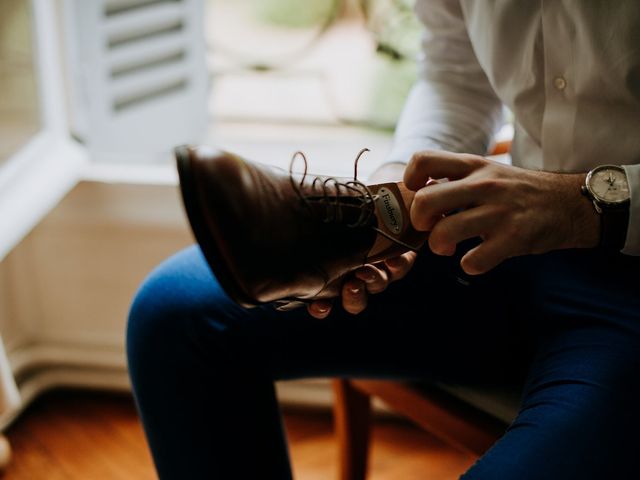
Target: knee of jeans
[(149, 320), (160, 318), (168, 313)]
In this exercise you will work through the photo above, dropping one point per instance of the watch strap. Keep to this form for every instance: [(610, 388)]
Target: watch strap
[(614, 225)]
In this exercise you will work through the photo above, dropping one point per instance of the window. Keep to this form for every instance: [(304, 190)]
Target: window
[(318, 61), (325, 76), (38, 160), (19, 101)]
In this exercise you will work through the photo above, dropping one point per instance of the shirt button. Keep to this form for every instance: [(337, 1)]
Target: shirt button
[(560, 83)]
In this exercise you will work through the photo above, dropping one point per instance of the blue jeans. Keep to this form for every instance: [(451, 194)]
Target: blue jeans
[(565, 324)]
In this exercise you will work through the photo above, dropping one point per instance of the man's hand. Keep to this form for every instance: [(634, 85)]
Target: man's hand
[(369, 279), (514, 211)]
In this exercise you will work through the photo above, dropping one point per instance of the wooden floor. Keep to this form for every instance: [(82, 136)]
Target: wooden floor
[(74, 435)]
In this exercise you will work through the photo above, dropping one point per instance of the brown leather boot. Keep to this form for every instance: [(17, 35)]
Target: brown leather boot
[(271, 235)]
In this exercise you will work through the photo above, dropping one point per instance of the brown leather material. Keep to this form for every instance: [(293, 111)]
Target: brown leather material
[(269, 238)]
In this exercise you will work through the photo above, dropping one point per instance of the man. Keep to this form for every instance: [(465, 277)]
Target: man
[(567, 320)]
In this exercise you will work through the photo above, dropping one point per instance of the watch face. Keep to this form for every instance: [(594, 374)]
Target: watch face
[(609, 184)]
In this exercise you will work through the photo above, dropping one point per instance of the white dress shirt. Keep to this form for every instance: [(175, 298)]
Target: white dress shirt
[(569, 70)]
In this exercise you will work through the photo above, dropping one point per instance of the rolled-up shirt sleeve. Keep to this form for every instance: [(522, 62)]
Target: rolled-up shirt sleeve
[(632, 245), (452, 106)]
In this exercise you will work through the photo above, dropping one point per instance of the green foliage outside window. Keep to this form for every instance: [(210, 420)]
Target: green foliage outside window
[(294, 13), (391, 23), (397, 33)]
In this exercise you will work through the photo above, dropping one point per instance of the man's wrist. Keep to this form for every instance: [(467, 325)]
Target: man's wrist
[(607, 187), (584, 220)]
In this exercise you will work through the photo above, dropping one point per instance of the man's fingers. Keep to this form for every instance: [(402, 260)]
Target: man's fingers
[(484, 257), (375, 279), (398, 267), (437, 199), (354, 296), (320, 309), (437, 164), (451, 230), (371, 279)]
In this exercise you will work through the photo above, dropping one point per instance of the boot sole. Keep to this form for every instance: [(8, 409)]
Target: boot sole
[(204, 237)]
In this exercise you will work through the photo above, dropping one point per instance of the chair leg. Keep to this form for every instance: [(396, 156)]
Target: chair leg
[(352, 416)]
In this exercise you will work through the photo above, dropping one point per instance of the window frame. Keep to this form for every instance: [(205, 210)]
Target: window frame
[(36, 177)]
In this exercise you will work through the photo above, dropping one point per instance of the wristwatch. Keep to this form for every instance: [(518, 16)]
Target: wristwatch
[(608, 189)]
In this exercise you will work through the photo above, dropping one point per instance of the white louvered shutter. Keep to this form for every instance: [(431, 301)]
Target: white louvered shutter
[(138, 76)]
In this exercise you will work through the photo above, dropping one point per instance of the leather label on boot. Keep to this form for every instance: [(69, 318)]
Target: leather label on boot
[(389, 210)]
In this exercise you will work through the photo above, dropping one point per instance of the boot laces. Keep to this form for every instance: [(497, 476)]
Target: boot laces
[(336, 195)]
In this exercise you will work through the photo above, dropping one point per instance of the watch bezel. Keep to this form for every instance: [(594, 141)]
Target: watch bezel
[(597, 198)]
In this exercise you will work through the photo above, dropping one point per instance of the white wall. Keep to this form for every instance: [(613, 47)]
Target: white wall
[(88, 256), (65, 289)]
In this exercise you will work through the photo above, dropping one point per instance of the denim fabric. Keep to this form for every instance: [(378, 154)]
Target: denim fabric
[(565, 324)]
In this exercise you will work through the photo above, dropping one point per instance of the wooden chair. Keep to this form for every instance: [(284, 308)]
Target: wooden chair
[(468, 419)]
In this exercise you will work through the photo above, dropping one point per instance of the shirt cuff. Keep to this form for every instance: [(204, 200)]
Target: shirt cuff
[(632, 244)]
